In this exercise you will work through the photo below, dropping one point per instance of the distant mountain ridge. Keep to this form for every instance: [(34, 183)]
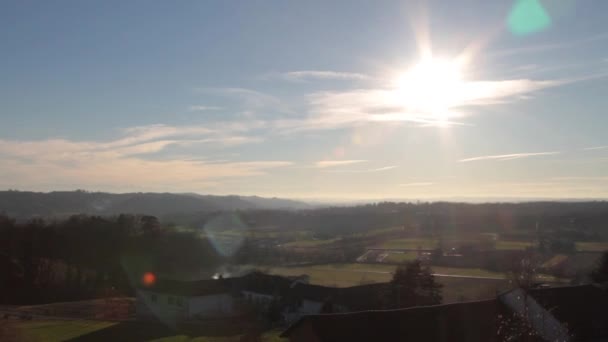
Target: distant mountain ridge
[(23, 204)]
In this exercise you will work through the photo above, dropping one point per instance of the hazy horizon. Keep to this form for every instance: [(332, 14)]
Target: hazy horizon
[(361, 200), (335, 101)]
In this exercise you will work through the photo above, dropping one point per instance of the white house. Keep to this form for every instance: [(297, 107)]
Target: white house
[(172, 301)]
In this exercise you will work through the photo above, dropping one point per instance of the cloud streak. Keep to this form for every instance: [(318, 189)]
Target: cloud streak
[(203, 108), (128, 160), (417, 184), (594, 148), (338, 109), (333, 163), (323, 75), (380, 169), (504, 157)]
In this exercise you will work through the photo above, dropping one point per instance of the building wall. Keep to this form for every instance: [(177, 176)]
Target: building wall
[(258, 298), (159, 306), (217, 305)]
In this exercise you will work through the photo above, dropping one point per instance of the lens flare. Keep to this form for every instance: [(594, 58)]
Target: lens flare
[(148, 279), (226, 232)]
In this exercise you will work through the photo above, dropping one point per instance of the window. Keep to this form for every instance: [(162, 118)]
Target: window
[(179, 301), (170, 300), (153, 298)]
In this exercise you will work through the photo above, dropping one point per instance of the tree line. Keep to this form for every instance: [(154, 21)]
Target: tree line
[(91, 256)]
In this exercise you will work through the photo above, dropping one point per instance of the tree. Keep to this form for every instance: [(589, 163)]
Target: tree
[(600, 274), (413, 285), (523, 271)]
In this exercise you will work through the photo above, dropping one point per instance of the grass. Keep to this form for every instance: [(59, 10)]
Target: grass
[(340, 275), (410, 243), (310, 243), (57, 330), (454, 289), (400, 257), (513, 245), (382, 231), (472, 272), (343, 275), (592, 246), (83, 330)]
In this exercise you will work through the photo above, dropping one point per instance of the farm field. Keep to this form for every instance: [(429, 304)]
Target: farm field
[(310, 243), (83, 330), (513, 245), (52, 330), (413, 243), (592, 246), (353, 274), (394, 257), (455, 288)]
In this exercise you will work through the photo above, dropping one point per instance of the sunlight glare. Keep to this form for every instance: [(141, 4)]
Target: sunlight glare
[(432, 87)]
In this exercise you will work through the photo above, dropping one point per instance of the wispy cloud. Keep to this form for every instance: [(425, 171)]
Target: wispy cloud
[(323, 75), (384, 168), (417, 184), (251, 100), (127, 159), (503, 157), (333, 163), (336, 109), (203, 108), (580, 178), (596, 148)]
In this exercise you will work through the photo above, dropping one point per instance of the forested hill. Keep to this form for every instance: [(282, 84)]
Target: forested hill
[(24, 204)]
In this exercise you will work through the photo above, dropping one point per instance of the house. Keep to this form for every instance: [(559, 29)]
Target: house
[(172, 301), (307, 299), (175, 301), (569, 313), (474, 321)]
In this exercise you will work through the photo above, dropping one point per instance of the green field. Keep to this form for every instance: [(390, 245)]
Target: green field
[(409, 244), (513, 245), (400, 257), (592, 246), (343, 275), (52, 330), (455, 289), (310, 243), (83, 330), (340, 275)]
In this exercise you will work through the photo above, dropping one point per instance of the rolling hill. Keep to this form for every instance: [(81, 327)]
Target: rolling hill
[(25, 204)]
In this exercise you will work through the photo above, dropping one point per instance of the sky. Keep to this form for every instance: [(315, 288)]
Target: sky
[(309, 99)]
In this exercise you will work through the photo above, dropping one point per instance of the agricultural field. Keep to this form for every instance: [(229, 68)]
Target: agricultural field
[(592, 246), (455, 288), (49, 331), (513, 245), (400, 257), (414, 243), (310, 243), (83, 330)]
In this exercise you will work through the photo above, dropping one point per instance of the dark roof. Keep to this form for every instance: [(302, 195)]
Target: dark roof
[(583, 309), (189, 288), (263, 283), (362, 297), (472, 321), (255, 281)]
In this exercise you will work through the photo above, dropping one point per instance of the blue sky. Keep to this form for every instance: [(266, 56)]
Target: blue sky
[(310, 99)]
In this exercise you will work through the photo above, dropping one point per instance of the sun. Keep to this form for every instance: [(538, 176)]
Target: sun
[(431, 87)]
